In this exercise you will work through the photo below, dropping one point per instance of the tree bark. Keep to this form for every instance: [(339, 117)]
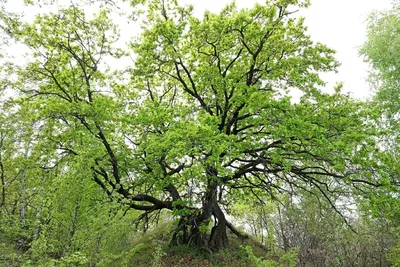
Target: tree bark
[(2, 177), (218, 237), (3, 184), (192, 228)]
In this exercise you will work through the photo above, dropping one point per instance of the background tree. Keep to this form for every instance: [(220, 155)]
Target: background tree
[(381, 51)]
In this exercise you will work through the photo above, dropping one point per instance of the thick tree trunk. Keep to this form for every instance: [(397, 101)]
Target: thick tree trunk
[(192, 229), (218, 237)]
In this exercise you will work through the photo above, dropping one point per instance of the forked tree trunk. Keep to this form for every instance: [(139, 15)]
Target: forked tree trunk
[(192, 229), (218, 237)]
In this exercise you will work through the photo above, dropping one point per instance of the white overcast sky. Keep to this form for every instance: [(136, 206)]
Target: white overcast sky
[(340, 24)]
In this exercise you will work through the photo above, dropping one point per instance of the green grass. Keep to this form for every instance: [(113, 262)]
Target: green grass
[(153, 250)]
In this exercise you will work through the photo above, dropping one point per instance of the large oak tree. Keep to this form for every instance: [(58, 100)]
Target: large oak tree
[(202, 118)]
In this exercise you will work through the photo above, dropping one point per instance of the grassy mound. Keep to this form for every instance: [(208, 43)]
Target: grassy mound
[(153, 250)]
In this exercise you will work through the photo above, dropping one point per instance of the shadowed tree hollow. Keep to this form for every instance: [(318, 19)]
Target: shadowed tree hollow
[(203, 116)]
